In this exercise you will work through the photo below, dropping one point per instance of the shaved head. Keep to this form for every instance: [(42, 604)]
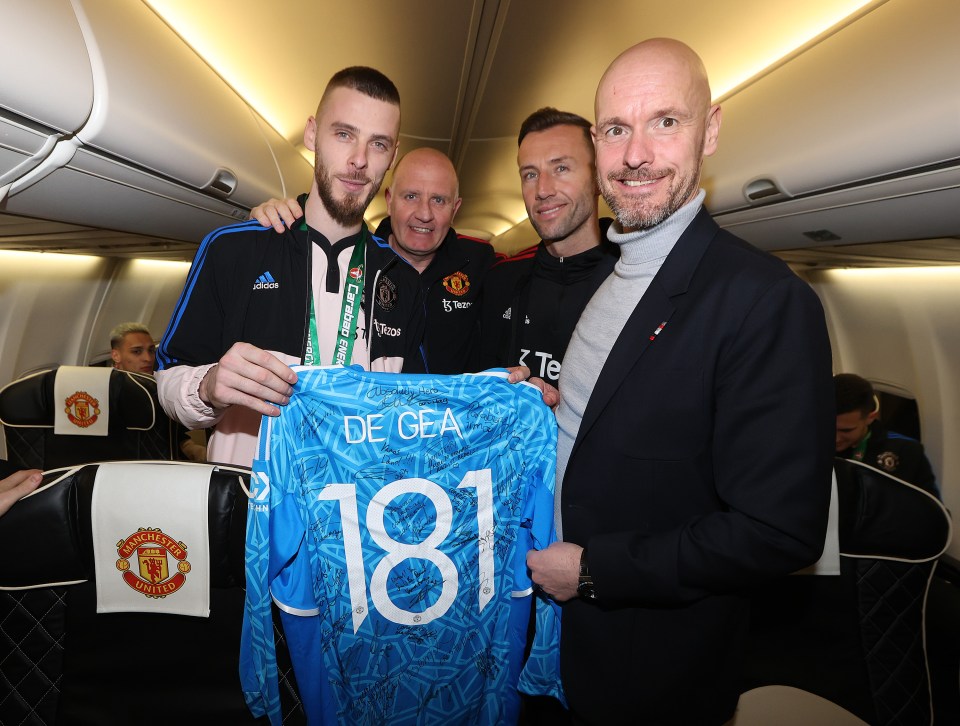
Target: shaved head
[(422, 200), (654, 126), (426, 157), (660, 56)]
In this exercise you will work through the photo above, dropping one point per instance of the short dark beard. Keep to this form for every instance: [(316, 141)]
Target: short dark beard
[(344, 212), (638, 219)]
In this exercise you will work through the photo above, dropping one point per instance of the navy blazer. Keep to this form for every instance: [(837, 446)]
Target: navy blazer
[(701, 468)]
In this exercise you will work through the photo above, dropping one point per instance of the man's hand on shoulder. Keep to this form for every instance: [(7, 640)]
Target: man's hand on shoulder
[(277, 213), (556, 569), (248, 376), (551, 396)]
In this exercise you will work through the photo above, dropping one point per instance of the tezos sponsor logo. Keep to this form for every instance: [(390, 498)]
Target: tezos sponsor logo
[(541, 365), (450, 305), (386, 330)]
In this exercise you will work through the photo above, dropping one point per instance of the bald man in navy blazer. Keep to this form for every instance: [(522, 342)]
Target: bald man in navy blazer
[(696, 418)]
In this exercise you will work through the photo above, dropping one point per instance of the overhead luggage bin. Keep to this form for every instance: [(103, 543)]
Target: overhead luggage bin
[(163, 147), (40, 103), (847, 114)]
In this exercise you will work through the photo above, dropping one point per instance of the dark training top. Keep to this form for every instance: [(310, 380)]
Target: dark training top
[(450, 291), (225, 301), (897, 455), (533, 300)]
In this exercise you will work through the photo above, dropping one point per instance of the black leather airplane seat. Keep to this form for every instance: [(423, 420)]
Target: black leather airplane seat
[(857, 639), (138, 427), (122, 667)]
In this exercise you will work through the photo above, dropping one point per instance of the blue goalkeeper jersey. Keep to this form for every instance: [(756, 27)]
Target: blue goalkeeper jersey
[(389, 521)]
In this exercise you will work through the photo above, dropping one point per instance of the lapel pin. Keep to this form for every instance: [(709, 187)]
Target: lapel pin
[(657, 331)]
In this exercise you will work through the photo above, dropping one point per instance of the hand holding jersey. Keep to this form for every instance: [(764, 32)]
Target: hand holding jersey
[(551, 395), (554, 569), (248, 376)]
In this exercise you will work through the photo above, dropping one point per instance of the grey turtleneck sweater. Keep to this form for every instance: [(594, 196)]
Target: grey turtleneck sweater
[(641, 254)]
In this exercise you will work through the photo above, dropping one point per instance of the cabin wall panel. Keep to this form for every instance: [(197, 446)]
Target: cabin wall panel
[(46, 304), (143, 291), (900, 327), (59, 309)]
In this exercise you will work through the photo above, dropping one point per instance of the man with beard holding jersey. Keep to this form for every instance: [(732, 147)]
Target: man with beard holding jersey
[(532, 301), (256, 301)]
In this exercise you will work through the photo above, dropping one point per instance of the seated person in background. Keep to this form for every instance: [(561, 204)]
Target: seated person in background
[(15, 487), (132, 349), (862, 437)]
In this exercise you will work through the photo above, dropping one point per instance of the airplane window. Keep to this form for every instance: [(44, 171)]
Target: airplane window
[(899, 413)]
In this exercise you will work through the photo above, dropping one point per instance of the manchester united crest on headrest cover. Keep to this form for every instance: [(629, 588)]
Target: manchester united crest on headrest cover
[(152, 549), (457, 283), (82, 409)]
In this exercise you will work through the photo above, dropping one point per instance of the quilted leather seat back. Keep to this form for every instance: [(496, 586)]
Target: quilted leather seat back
[(892, 533), (139, 429), (858, 639), (34, 619), (120, 668)]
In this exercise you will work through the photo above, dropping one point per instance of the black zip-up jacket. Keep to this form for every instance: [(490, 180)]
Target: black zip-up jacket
[(221, 303), (897, 455), (532, 302), (450, 289)]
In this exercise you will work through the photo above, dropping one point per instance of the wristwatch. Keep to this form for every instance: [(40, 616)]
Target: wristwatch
[(585, 587)]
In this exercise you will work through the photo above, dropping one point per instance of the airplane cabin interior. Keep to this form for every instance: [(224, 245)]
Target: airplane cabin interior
[(129, 130)]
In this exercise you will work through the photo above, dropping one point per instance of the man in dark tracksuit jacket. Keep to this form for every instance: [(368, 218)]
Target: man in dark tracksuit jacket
[(250, 284), (271, 312), (450, 294), (257, 300), (532, 302)]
